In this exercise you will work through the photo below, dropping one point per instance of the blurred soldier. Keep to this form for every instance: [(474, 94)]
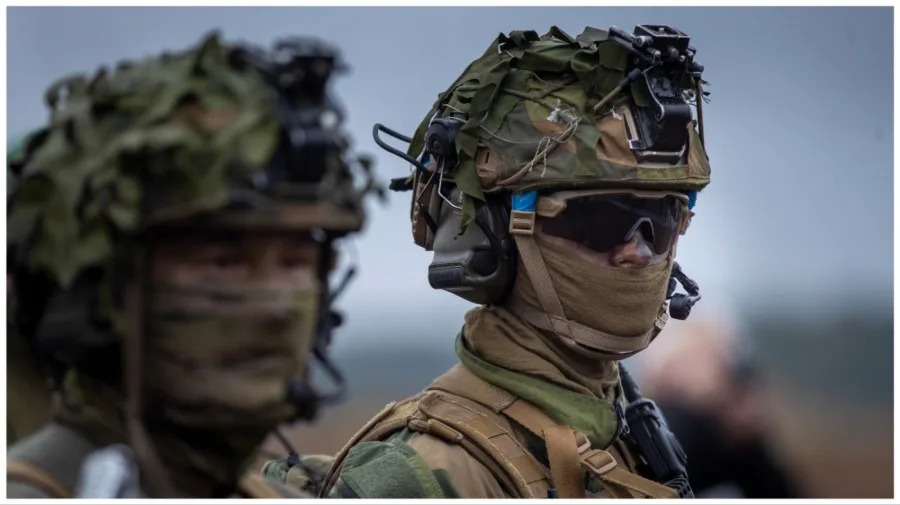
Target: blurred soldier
[(171, 237), (557, 175), (706, 379)]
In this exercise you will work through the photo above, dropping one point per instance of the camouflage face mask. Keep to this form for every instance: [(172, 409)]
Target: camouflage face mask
[(222, 357)]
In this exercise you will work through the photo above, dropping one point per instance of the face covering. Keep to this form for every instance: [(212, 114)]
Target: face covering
[(619, 306), (224, 356), (216, 364)]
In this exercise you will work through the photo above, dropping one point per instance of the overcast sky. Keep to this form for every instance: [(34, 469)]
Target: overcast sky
[(799, 129)]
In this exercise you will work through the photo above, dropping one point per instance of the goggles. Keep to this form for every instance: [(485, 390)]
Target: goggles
[(603, 219)]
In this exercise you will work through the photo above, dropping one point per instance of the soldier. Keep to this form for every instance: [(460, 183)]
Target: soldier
[(557, 175), (171, 236)]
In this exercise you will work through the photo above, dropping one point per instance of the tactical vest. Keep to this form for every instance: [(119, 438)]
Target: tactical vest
[(461, 408), (27, 469)]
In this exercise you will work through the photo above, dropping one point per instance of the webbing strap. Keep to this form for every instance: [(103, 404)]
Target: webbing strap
[(606, 344), (562, 445), (536, 421), (462, 382), (496, 447), (30, 473), (543, 285), (565, 467), (603, 465)]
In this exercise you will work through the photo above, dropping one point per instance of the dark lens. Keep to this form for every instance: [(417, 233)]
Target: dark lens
[(601, 222)]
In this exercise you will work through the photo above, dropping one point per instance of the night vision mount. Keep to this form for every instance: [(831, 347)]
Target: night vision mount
[(299, 69), (661, 63)]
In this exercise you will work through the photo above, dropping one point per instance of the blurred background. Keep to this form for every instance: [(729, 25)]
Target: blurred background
[(791, 245)]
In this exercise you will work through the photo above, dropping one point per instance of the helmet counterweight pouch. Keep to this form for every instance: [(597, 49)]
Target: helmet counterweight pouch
[(477, 264)]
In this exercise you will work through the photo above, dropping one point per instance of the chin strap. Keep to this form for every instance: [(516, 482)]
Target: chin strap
[(553, 318), (607, 345)]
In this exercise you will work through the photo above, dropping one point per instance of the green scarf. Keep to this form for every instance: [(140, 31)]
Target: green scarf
[(595, 417)]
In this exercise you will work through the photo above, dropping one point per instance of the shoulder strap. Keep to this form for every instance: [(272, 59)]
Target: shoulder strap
[(36, 476), (565, 472), (461, 382), (487, 438), (617, 479)]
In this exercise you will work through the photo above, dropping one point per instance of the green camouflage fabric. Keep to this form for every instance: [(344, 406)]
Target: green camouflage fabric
[(524, 94), (391, 469), (156, 142)]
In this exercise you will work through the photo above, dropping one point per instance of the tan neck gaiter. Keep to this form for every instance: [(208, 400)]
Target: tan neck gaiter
[(499, 337), (620, 301)]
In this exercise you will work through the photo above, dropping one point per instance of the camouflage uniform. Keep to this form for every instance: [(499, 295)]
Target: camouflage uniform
[(187, 376), (535, 406)]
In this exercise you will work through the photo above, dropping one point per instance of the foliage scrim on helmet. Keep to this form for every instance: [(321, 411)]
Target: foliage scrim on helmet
[(154, 141), (524, 91)]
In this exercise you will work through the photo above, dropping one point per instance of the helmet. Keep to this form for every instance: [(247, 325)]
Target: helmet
[(603, 111), (218, 135)]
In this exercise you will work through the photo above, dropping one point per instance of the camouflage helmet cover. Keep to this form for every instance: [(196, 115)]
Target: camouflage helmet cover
[(216, 135), (526, 90), (199, 133)]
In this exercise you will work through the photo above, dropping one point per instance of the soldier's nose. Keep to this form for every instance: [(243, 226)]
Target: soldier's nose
[(635, 253)]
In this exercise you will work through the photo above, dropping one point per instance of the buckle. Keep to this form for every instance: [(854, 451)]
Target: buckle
[(585, 444), (521, 222), (598, 461)]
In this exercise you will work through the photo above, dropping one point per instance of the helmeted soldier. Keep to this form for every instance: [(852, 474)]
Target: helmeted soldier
[(171, 236), (552, 180)]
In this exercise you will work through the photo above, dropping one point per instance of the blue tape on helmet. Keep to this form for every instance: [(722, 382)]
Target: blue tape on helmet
[(692, 198), (525, 202)]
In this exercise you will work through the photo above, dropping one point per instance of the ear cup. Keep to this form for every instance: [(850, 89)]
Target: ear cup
[(477, 264)]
